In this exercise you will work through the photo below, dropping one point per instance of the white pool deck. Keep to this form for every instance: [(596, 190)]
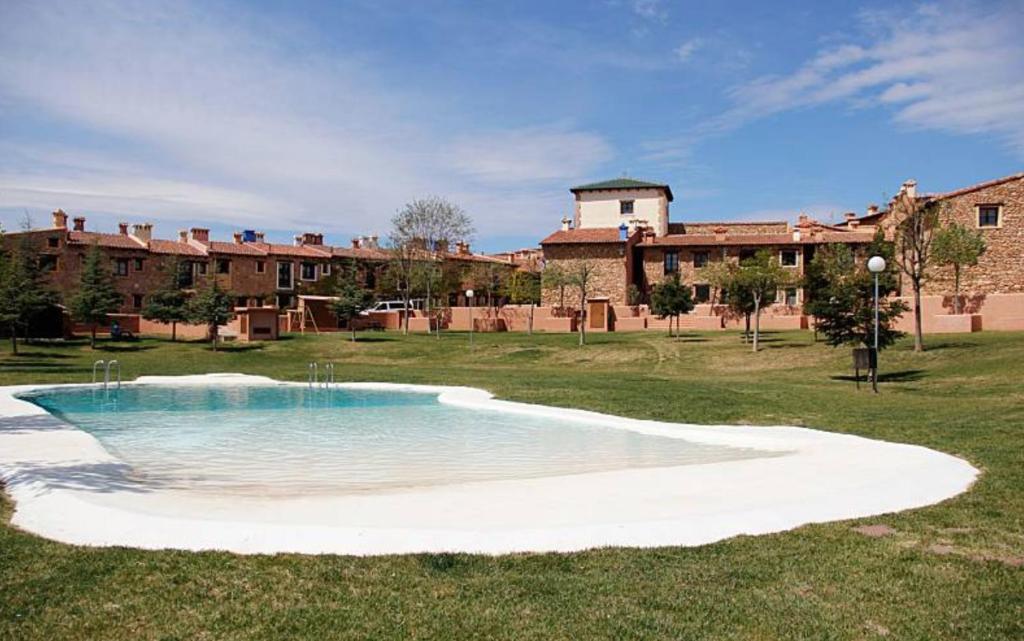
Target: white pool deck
[(67, 487)]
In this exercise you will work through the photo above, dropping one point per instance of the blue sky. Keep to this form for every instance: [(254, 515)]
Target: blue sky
[(328, 116)]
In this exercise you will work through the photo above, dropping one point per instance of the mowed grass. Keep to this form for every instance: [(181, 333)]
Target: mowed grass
[(950, 571)]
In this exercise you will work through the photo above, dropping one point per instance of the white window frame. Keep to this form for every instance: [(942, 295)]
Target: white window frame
[(261, 267), (325, 269), (999, 215), (302, 269)]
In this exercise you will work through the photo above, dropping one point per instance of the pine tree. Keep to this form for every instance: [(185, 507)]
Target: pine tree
[(210, 306), (169, 304), (352, 298), (96, 296)]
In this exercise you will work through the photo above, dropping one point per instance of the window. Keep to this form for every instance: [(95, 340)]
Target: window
[(121, 266), (671, 262), (284, 301), (325, 269), (258, 301), (53, 241), (788, 257), (789, 296), (626, 207), (242, 302), (200, 269), (138, 264), (308, 271), (988, 215), (136, 301), (223, 266), (47, 263), (700, 259), (261, 266), (284, 277), (701, 293), (747, 254)]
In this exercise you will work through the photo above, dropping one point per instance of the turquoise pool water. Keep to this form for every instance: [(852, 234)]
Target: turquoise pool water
[(291, 440)]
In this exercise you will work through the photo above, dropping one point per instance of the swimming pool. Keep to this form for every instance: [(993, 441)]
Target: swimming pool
[(251, 465), (294, 440)]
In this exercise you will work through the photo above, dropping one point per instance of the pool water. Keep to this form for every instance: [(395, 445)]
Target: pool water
[(270, 440)]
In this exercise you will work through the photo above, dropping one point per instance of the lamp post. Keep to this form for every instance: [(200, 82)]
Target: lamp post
[(876, 265), (469, 296)]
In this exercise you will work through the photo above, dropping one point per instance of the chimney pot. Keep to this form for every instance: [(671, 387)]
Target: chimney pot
[(565, 223), (143, 231), (79, 222), (872, 210), (122, 228), (60, 219), (849, 216), (910, 188)]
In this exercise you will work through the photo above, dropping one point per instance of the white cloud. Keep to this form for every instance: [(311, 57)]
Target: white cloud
[(686, 50), (204, 115), (957, 69), (650, 9)]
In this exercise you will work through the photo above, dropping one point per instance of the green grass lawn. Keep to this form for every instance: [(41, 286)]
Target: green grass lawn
[(951, 571)]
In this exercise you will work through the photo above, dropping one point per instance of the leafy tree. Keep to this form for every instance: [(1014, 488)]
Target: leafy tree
[(210, 306), (844, 304), (352, 299), (488, 281), (524, 288), (759, 279), (956, 246), (671, 298), (421, 230), (169, 303), (97, 295), (581, 276), (717, 275), (22, 292), (556, 278), (915, 227)]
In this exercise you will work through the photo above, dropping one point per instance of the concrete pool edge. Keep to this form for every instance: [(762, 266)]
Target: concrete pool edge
[(824, 477)]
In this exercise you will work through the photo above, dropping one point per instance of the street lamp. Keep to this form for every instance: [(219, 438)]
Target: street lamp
[(469, 296), (876, 265)]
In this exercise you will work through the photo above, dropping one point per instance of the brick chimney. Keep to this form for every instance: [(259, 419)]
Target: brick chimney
[(720, 232), (462, 248), (79, 222), (200, 235), (872, 210), (356, 243), (122, 228), (310, 238), (183, 236), (238, 237), (849, 216), (60, 219), (143, 231), (566, 224)]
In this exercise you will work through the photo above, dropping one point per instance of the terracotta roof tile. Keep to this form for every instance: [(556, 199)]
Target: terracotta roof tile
[(976, 187), (586, 235), (237, 249), (294, 251), (116, 241), (364, 253), (160, 246)]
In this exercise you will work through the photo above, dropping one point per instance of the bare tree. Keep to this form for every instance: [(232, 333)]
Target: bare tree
[(422, 231), (915, 226), (581, 276)]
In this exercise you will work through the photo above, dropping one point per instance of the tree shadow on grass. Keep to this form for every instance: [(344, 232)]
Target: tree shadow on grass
[(904, 376), (54, 355), (124, 347)]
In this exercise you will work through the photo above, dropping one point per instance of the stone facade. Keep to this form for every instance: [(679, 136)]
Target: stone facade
[(610, 273), (1000, 270)]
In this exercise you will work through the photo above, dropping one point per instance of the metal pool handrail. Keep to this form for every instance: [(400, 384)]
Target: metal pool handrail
[(99, 363), (312, 374), (106, 374), (328, 375)]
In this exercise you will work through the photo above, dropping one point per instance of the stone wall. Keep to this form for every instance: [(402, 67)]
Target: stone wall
[(1000, 270), (610, 274), (704, 229)]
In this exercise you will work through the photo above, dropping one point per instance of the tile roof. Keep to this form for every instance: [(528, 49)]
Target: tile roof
[(160, 246), (732, 240), (586, 235), (295, 251), (237, 249), (622, 183), (116, 241), (364, 253)]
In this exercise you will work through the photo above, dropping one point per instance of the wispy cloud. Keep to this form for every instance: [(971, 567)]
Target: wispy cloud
[(650, 9), (955, 69), (181, 112), (686, 50)]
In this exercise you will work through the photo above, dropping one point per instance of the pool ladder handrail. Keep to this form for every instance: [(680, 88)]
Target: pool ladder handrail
[(106, 365), (313, 375)]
